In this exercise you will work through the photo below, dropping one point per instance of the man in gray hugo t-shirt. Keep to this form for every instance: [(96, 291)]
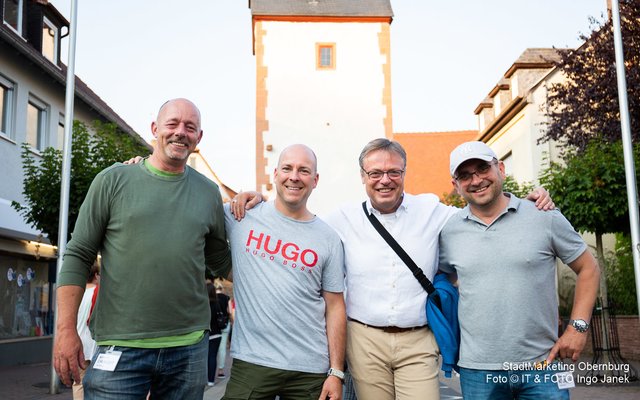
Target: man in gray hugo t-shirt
[(504, 253), (289, 333)]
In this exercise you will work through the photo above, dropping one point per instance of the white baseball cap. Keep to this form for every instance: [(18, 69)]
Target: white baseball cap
[(470, 151)]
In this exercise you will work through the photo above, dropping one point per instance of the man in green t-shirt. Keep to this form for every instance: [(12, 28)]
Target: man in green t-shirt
[(156, 224)]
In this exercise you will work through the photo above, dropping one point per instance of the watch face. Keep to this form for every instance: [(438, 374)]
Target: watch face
[(580, 325)]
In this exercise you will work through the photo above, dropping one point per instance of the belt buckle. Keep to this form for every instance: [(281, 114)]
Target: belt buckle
[(395, 329)]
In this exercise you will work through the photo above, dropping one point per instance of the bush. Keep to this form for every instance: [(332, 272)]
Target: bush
[(620, 276)]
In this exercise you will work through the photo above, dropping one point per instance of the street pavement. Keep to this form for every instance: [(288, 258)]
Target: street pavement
[(31, 382)]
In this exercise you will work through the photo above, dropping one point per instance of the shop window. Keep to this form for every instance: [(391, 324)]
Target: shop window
[(26, 300)]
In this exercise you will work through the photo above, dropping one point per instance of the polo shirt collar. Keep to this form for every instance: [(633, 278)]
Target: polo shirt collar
[(514, 204)]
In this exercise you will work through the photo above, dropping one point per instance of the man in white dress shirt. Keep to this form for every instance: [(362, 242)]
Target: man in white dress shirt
[(392, 353)]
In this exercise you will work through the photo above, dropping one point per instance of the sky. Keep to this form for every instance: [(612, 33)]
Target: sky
[(445, 58)]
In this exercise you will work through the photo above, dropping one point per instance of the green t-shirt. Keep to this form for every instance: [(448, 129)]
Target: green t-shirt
[(155, 234)]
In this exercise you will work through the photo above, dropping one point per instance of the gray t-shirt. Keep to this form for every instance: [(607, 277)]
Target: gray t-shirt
[(508, 306), (280, 268)]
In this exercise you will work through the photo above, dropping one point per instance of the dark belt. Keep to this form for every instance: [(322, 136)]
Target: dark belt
[(390, 329)]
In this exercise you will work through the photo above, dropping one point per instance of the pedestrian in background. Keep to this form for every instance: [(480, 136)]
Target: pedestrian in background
[(225, 306), (215, 332), (84, 313)]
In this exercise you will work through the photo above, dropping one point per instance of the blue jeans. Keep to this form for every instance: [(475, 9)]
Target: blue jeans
[(170, 373), (504, 384)]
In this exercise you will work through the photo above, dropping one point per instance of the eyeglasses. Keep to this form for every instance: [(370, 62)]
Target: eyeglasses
[(377, 175), (482, 171)]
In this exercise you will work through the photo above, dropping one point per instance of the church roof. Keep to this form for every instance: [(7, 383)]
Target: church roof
[(330, 8)]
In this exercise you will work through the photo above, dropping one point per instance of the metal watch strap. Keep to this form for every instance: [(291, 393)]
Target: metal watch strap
[(336, 372)]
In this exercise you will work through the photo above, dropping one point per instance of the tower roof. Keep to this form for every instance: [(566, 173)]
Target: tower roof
[(330, 8)]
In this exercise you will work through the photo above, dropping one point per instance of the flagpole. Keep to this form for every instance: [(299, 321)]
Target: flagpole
[(54, 387), (627, 145)]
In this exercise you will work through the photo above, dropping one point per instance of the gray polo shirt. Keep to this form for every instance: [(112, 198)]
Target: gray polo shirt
[(508, 306)]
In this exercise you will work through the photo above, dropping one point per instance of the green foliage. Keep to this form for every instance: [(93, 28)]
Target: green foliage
[(453, 199), (520, 190), (585, 106), (620, 278), (90, 154), (590, 189)]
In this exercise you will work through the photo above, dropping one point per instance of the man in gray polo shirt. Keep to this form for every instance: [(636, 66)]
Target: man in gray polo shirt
[(504, 251)]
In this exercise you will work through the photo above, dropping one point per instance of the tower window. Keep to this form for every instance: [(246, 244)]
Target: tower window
[(325, 56)]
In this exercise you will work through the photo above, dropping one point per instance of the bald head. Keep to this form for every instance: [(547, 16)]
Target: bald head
[(297, 151), (181, 103), (295, 177)]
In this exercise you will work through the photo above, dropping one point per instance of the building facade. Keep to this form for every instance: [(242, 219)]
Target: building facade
[(323, 78), (511, 117), (32, 100), (428, 159)]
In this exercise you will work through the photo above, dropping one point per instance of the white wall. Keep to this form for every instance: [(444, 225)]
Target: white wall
[(335, 112)]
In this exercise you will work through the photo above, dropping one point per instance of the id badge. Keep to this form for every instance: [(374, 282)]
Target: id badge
[(108, 360), (565, 380)]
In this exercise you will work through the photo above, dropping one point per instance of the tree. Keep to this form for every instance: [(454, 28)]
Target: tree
[(590, 190), (585, 106), (89, 155)]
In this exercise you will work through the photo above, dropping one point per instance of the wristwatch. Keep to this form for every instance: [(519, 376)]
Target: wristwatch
[(579, 325), (336, 372)]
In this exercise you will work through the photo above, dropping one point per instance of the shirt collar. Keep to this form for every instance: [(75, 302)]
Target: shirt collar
[(514, 204), (404, 205)]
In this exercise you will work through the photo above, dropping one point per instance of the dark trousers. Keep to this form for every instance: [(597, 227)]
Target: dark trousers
[(214, 344)]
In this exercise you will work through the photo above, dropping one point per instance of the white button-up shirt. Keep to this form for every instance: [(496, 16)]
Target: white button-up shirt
[(381, 290)]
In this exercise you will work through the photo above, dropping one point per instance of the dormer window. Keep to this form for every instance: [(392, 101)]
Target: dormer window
[(12, 14), (50, 40)]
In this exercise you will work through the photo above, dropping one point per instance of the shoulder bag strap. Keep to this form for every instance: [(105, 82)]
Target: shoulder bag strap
[(417, 272)]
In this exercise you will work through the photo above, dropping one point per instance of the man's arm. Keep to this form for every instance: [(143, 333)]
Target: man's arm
[(336, 319), (571, 343), (244, 201), (67, 351), (216, 249), (542, 199)]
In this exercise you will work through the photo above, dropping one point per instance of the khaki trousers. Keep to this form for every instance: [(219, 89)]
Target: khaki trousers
[(77, 389), (393, 366)]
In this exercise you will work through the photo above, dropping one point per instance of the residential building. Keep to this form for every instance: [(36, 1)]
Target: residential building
[(323, 78), (32, 106), (511, 118)]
